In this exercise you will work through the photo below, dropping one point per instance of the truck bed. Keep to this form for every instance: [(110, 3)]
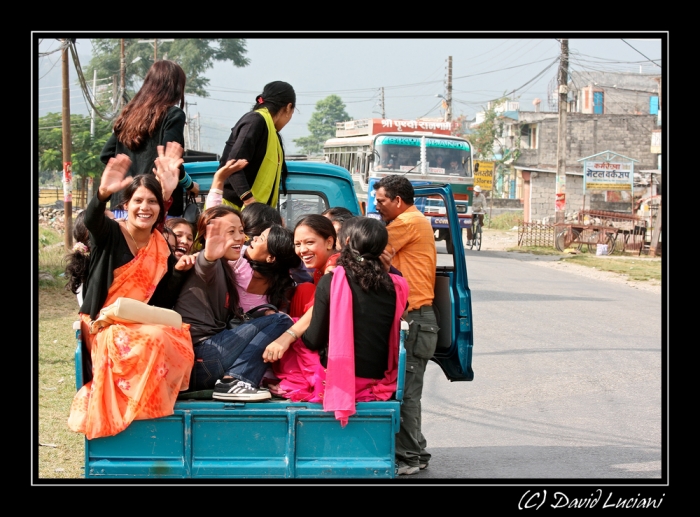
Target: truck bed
[(210, 439)]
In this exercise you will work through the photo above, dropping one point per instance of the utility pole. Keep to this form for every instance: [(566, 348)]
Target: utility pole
[(154, 42), (448, 113), (188, 123), (122, 75), (560, 196), (199, 132), (383, 112), (92, 133), (67, 164)]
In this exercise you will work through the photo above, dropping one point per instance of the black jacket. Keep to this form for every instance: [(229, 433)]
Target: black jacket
[(248, 140), (172, 129)]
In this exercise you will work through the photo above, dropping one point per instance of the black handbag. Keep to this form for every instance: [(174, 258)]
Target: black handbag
[(192, 210), (256, 312)]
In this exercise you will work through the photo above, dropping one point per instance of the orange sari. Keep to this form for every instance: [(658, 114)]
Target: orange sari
[(138, 369)]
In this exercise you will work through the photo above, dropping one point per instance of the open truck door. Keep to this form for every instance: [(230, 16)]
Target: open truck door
[(452, 294)]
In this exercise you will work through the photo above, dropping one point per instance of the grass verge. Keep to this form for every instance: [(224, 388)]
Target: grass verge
[(504, 221), (639, 269), (60, 451)]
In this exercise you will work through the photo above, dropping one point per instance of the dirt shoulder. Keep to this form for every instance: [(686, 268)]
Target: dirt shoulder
[(502, 240)]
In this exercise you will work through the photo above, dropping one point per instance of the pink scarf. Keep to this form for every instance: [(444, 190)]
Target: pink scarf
[(342, 387)]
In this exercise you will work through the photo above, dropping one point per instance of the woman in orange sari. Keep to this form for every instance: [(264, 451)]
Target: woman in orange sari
[(137, 369)]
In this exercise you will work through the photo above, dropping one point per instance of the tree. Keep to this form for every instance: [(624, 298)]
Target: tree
[(487, 135), (322, 124), (484, 136), (195, 56), (85, 150)]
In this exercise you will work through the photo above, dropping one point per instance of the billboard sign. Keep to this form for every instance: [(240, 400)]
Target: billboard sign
[(602, 175), (483, 174)]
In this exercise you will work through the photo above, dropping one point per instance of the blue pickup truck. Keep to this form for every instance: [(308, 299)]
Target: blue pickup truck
[(211, 439)]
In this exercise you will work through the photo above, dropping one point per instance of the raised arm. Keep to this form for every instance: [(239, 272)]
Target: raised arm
[(114, 177), (215, 195), (167, 169), (218, 239)]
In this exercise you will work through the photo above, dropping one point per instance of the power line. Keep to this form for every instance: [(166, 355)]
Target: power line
[(642, 54)]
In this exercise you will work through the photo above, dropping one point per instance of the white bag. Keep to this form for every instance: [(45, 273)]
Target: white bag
[(129, 310)]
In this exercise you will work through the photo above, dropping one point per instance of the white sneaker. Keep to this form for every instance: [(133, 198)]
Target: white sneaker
[(239, 390), (403, 469)]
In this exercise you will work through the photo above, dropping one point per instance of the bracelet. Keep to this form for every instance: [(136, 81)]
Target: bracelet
[(291, 333), (246, 195), (216, 191)]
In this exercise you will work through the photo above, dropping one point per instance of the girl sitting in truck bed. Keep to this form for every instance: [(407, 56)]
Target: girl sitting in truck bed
[(354, 325), (137, 369), (228, 356)]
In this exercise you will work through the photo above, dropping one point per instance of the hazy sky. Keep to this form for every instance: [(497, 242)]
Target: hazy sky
[(412, 71)]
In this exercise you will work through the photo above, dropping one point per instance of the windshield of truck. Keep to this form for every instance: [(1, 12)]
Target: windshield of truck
[(443, 155)]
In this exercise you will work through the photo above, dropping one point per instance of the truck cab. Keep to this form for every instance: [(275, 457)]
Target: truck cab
[(207, 438)]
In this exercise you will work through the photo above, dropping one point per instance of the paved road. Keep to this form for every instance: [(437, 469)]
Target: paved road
[(568, 376)]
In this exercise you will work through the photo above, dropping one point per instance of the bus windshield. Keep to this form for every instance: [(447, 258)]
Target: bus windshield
[(443, 155)]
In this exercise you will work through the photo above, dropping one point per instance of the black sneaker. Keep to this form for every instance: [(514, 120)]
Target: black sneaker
[(238, 390)]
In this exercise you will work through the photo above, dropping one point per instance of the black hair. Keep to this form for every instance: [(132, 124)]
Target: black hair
[(78, 260), (280, 244), (275, 96), (150, 182), (320, 225), (367, 238), (257, 217), (345, 228), (338, 214), (396, 185)]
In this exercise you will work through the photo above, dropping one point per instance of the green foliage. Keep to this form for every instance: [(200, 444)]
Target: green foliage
[(504, 221), (484, 135), (85, 150), (195, 56), (635, 269), (322, 124)]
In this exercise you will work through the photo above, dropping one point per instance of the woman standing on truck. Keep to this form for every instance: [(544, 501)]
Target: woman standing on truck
[(255, 138), (150, 119), (137, 369), (355, 323)]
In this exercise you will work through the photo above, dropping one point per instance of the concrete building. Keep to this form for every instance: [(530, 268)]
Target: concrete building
[(606, 112)]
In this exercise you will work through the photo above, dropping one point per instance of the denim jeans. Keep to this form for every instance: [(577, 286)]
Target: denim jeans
[(237, 352)]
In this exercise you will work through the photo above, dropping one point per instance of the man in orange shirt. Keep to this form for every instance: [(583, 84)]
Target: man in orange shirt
[(411, 240)]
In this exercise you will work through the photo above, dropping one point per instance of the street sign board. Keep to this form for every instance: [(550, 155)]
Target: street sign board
[(483, 174), (604, 175)]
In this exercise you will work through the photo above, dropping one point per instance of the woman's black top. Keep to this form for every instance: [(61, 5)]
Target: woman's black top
[(109, 251), (172, 129), (248, 141), (372, 314)]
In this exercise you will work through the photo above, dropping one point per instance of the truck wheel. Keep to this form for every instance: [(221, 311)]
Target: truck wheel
[(448, 243)]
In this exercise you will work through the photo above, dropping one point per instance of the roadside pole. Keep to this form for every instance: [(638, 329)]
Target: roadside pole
[(560, 196), (67, 164)]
